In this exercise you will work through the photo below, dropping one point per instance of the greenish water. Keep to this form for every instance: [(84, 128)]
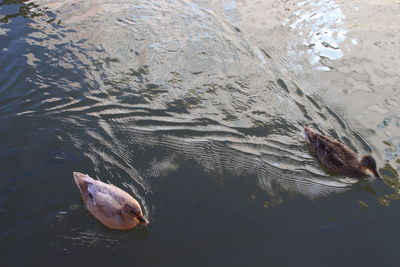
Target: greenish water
[(196, 108)]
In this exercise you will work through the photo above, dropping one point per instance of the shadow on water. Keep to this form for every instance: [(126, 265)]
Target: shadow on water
[(187, 108)]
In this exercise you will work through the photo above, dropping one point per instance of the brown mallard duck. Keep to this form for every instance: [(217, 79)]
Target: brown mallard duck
[(340, 158), (112, 206)]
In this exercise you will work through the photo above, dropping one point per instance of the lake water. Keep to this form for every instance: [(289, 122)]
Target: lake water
[(196, 108)]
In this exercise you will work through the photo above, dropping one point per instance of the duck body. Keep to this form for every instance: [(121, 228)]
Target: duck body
[(338, 157), (109, 204)]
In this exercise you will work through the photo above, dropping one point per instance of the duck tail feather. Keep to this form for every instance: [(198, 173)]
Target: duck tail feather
[(81, 182)]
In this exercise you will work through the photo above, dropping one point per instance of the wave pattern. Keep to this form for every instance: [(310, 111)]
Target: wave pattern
[(181, 78)]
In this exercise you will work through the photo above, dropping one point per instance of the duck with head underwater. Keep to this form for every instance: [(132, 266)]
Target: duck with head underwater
[(340, 158)]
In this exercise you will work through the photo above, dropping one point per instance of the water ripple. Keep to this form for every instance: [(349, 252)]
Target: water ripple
[(190, 82)]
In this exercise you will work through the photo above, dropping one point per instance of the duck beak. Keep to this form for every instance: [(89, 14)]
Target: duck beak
[(376, 174), (143, 220)]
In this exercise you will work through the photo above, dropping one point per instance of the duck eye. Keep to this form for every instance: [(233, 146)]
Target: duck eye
[(132, 212)]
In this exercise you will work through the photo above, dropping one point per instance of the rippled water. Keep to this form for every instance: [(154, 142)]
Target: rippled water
[(197, 109)]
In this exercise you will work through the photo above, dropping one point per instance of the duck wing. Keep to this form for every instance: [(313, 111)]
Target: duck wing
[(334, 154), (101, 199), (333, 159)]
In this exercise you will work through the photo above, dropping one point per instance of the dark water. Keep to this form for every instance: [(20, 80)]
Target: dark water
[(197, 109)]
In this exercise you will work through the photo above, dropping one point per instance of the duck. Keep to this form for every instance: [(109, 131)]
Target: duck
[(340, 158), (109, 204)]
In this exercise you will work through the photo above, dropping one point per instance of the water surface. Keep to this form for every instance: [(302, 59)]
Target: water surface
[(196, 108)]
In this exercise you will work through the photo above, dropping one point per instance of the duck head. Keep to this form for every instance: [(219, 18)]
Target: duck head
[(134, 211), (368, 163)]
